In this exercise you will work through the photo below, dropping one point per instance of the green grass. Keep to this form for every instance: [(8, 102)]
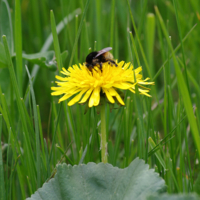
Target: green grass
[(37, 132)]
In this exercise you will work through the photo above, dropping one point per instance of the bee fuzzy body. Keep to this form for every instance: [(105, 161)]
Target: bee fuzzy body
[(98, 57)]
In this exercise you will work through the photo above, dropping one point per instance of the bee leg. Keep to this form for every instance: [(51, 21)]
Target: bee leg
[(100, 66), (113, 62), (90, 69)]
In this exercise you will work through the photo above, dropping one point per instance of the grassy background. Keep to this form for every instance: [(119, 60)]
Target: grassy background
[(36, 131)]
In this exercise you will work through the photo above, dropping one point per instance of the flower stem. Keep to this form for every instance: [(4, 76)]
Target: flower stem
[(103, 134)]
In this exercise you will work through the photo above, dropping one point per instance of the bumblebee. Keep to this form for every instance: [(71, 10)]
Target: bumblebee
[(98, 57)]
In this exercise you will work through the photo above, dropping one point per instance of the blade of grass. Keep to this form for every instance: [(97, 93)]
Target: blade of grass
[(76, 31), (37, 147), (59, 134), (85, 37), (59, 28), (29, 152), (98, 23), (49, 39), (139, 109), (85, 151), (181, 164), (2, 184), (55, 41), (194, 82), (127, 130), (162, 162), (116, 34), (11, 143), (73, 129), (4, 111), (67, 35), (18, 45), (54, 134), (112, 23), (183, 88), (36, 18), (6, 24), (180, 37), (161, 42), (79, 31), (64, 155), (191, 78), (187, 146), (68, 129), (164, 140), (118, 136), (41, 136), (47, 159), (158, 154), (144, 5), (135, 50), (139, 42), (150, 38), (174, 51)]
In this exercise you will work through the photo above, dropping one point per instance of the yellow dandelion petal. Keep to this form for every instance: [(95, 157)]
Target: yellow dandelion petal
[(76, 98), (123, 86), (141, 86), (114, 93), (119, 99), (145, 93), (70, 69), (127, 65), (86, 96), (73, 90), (138, 70), (95, 97), (61, 78), (91, 102), (65, 72), (57, 93), (65, 97), (133, 91), (145, 83), (108, 95), (56, 88), (146, 79), (138, 76)]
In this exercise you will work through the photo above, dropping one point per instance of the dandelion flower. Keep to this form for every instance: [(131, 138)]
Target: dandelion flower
[(84, 85)]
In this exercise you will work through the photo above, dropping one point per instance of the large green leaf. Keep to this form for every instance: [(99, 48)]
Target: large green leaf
[(101, 181), (174, 197)]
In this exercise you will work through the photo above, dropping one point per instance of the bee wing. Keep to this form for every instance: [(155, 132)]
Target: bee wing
[(103, 51)]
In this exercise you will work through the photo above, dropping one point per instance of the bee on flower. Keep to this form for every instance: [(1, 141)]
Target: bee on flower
[(100, 75)]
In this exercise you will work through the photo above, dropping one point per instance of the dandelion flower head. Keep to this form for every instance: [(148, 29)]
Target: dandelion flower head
[(84, 85)]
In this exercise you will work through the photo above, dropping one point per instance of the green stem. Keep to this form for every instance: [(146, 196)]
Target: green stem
[(103, 134)]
